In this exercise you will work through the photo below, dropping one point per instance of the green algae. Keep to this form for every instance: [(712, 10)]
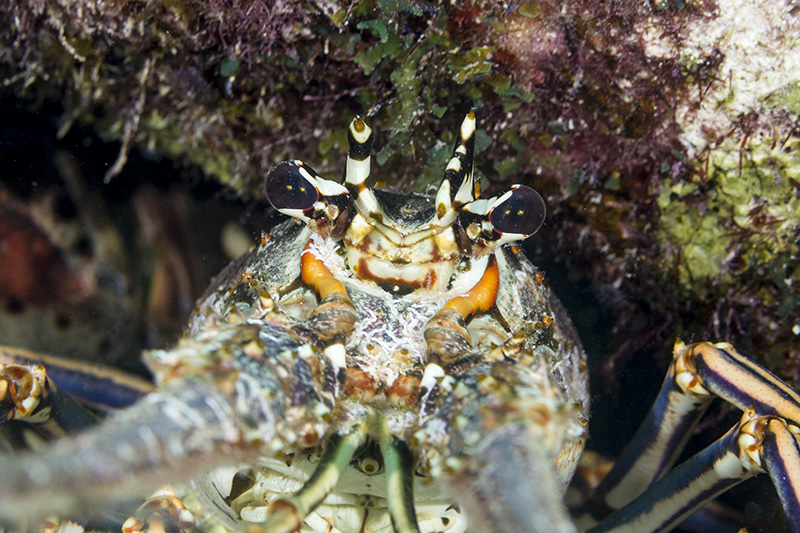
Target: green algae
[(751, 216), (471, 64), (788, 97)]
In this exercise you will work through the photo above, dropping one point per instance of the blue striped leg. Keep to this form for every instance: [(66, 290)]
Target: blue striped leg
[(765, 440)]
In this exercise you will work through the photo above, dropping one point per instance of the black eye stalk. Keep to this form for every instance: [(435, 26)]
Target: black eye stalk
[(513, 216), (520, 211), (294, 189), (288, 190)]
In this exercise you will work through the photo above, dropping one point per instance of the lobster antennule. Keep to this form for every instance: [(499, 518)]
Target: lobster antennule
[(357, 172), (458, 184)]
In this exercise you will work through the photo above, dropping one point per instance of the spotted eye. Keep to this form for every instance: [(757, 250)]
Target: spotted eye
[(289, 188), (522, 213)]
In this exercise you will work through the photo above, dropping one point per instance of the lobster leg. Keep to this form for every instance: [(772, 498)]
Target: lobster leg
[(449, 342), (27, 394), (730, 460), (332, 320), (782, 462), (162, 511), (101, 388), (697, 374), (680, 404)]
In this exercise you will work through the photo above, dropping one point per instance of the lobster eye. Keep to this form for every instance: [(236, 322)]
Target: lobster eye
[(521, 213), (288, 187)]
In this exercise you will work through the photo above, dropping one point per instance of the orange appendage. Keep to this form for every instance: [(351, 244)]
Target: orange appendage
[(481, 297), (317, 275)]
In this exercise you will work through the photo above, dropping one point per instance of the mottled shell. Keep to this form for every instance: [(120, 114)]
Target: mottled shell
[(529, 368)]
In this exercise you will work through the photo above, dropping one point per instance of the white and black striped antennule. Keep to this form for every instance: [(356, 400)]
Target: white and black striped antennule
[(357, 171), (458, 186)]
